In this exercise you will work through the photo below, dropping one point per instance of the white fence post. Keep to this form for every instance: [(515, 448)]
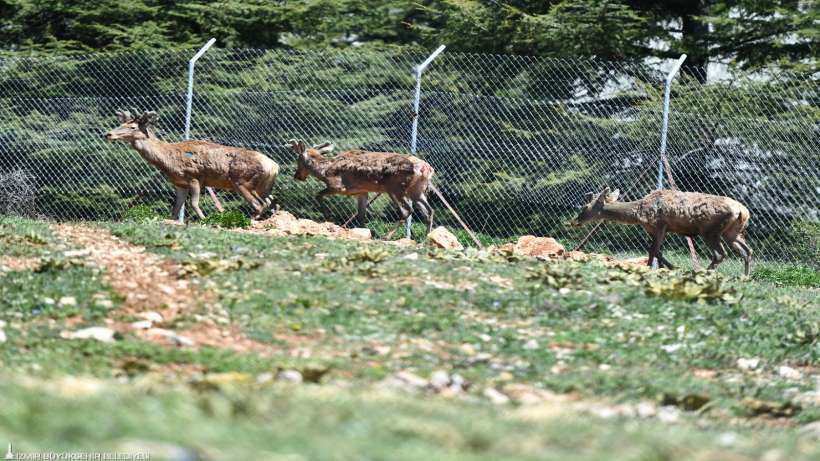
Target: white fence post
[(415, 130), (665, 126), (188, 103)]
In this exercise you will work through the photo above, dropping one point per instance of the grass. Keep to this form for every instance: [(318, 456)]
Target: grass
[(363, 313)]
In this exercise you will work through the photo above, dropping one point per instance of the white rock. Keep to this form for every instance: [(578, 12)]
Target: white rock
[(496, 397), (668, 414), (789, 373), (411, 256), (440, 379), (151, 316), (104, 303), (671, 348), (411, 379), (646, 409), (359, 233), (291, 376), (727, 439), (67, 301), (443, 238), (263, 378), (811, 430), (102, 334), (748, 364), (76, 253), (142, 325), (2, 336), (171, 336)]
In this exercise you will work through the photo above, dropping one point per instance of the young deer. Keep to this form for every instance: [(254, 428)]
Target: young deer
[(357, 172), (686, 213), (192, 165)]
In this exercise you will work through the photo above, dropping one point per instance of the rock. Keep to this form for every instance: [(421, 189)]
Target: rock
[(748, 364), (171, 336), (104, 303), (411, 256), (811, 430), (142, 325), (156, 449), (530, 245), (640, 261), (443, 238), (411, 379), (76, 253), (359, 233), (2, 336), (440, 379), (151, 316), (404, 242), (467, 348), (102, 334), (495, 397), (67, 301), (789, 372), (290, 376), (524, 394)]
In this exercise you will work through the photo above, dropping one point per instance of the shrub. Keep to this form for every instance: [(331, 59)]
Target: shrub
[(228, 219)]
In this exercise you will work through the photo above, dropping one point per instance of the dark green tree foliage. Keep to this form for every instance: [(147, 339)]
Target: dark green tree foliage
[(747, 32)]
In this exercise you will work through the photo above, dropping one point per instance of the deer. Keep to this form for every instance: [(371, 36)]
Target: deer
[(404, 178), (690, 214), (192, 165)]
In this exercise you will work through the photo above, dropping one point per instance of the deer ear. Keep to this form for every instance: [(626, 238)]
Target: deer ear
[(603, 196), (122, 117), (298, 146), (150, 117), (326, 148), (613, 196), (589, 196)]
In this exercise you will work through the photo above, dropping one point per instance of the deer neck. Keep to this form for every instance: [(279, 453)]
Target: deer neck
[(154, 151), (622, 212), (318, 166)]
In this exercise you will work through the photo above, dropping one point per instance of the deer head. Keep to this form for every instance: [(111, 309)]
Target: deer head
[(133, 126), (304, 155), (594, 207)]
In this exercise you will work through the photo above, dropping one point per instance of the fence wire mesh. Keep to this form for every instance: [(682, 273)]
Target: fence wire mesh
[(516, 141)]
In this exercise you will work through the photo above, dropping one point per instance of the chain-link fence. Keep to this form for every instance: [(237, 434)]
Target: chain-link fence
[(516, 141)]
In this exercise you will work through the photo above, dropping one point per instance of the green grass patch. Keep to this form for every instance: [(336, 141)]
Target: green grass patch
[(789, 276), (228, 219)]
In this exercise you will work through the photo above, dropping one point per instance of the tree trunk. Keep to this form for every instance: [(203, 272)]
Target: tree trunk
[(695, 40)]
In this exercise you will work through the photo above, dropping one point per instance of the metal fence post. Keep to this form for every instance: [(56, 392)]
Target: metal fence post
[(188, 103), (415, 130), (665, 126)]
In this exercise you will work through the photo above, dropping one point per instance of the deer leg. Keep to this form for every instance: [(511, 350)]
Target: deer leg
[(264, 202), (179, 202), (361, 215), (195, 199), (425, 214), (404, 214), (718, 252), (246, 194), (657, 242), (423, 202), (664, 262), (742, 249)]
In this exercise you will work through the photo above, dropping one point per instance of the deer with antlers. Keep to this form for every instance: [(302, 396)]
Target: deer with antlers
[(404, 178), (192, 165), (690, 214)]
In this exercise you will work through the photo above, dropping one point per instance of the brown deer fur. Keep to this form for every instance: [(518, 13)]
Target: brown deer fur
[(192, 165), (357, 172), (686, 213)]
